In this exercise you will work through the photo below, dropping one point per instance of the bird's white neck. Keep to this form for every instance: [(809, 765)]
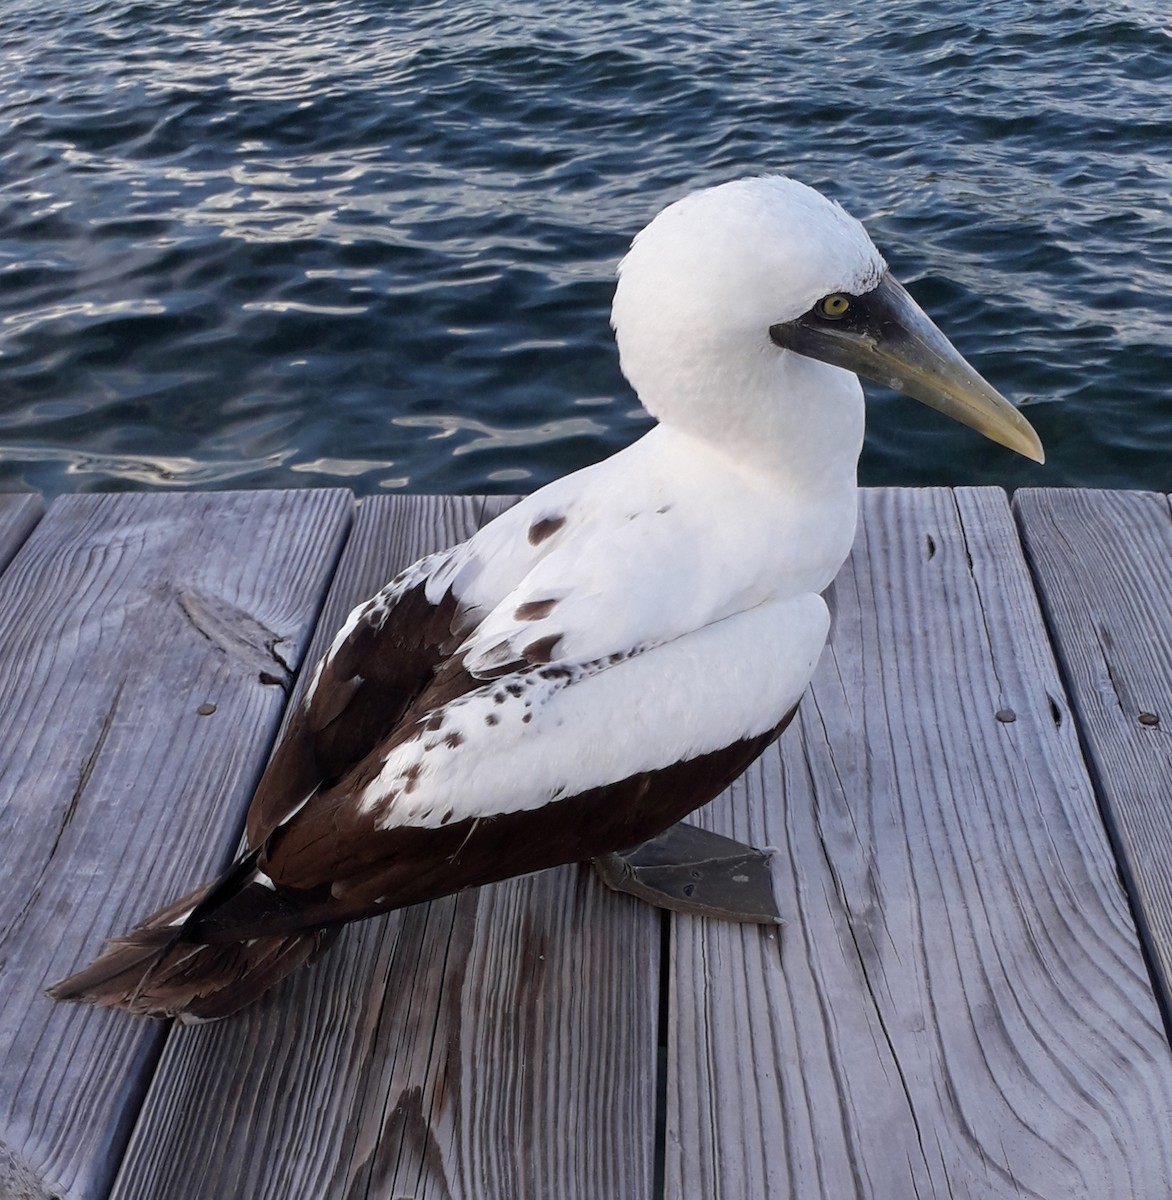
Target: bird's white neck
[(795, 422)]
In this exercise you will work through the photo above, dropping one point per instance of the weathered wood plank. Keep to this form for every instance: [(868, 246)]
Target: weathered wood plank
[(958, 1005), (1102, 562), (19, 513), (494, 1046), (121, 619)]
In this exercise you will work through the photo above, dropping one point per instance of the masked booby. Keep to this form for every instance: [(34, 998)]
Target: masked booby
[(606, 656)]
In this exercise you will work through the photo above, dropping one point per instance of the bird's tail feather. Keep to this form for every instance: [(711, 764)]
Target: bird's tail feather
[(159, 970)]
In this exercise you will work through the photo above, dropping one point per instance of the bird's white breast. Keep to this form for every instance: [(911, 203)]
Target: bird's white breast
[(656, 542)]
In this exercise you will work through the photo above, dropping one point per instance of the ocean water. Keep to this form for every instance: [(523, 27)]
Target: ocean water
[(372, 243)]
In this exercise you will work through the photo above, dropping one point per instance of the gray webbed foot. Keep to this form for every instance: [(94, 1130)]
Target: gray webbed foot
[(689, 870)]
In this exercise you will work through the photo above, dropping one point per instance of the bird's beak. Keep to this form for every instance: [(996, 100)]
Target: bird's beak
[(885, 336)]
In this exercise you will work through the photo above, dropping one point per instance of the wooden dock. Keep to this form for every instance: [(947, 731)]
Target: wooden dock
[(974, 819)]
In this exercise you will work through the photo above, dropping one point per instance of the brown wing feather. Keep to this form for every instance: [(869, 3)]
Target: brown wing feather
[(365, 690)]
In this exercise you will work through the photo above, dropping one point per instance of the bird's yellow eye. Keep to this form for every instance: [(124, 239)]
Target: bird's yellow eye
[(833, 306)]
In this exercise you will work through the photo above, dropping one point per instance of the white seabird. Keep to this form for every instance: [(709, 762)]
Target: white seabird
[(608, 655)]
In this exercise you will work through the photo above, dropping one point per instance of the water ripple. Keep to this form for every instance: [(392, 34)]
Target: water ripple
[(276, 244)]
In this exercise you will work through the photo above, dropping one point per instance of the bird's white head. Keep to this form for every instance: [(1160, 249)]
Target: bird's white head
[(741, 309), (726, 263), (705, 281)]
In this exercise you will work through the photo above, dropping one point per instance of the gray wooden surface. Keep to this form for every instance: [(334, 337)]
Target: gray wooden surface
[(958, 1005), (18, 515), (1103, 563), (119, 617)]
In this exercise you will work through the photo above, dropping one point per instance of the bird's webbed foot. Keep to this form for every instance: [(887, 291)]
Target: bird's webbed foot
[(690, 870)]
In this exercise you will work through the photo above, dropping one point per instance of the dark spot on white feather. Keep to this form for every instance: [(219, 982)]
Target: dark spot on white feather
[(492, 719), (541, 650), (412, 777), (498, 697), (556, 673), (514, 689), (446, 817), (434, 722), (664, 508), (453, 739), (534, 610), (527, 718), (545, 528), (206, 709)]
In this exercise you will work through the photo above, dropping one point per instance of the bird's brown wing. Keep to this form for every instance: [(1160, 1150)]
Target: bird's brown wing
[(364, 688)]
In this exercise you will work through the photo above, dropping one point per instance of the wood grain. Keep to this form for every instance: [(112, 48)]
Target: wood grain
[(120, 616), (19, 514), (499, 1045), (958, 1006), (1102, 562)]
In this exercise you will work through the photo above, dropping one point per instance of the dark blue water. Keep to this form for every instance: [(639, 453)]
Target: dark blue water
[(260, 244)]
